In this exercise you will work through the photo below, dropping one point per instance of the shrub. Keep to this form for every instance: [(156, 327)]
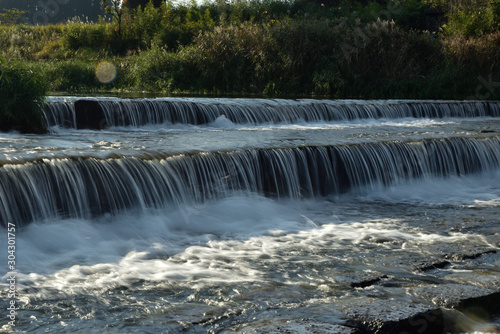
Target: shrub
[(476, 60), (69, 76), (378, 55), (22, 94), (230, 59), (77, 34), (304, 57), (156, 70)]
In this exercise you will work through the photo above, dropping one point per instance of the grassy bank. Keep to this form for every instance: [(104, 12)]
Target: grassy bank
[(300, 48)]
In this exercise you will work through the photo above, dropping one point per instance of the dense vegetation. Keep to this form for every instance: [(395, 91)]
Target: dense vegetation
[(21, 95), (331, 48)]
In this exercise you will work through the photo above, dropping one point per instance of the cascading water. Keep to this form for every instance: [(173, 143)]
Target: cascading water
[(248, 215), (85, 187), (60, 113), (119, 112)]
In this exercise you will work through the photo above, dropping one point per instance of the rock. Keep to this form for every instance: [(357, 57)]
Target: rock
[(435, 265), (392, 316), (299, 326), (472, 255), (89, 115), (367, 283), (361, 279), (469, 299)]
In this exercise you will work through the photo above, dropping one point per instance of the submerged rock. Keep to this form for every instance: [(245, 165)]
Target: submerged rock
[(306, 327), (433, 265), (392, 316), (361, 279), (472, 255), (478, 301), (367, 282)]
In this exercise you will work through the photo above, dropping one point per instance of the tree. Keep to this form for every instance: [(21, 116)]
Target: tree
[(11, 16), (40, 12), (115, 9), (469, 17)]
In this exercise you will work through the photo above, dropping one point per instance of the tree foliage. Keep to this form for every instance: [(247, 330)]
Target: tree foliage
[(133, 4), (44, 12), (469, 17), (11, 16), (117, 11)]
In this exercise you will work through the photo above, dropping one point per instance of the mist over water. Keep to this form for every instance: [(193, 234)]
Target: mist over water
[(251, 261)]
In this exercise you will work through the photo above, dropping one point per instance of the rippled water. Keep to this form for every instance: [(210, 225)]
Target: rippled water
[(247, 262)]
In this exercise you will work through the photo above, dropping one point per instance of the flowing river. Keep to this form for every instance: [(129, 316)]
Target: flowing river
[(245, 215)]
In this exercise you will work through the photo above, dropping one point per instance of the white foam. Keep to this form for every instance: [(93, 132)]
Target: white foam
[(457, 190), (130, 245), (221, 242)]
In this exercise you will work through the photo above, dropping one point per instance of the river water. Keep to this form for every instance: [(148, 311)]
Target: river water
[(257, 226)]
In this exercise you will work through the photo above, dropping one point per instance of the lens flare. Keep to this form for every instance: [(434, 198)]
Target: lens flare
[(105, 72)]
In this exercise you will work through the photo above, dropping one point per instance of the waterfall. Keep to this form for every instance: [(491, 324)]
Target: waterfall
[(85, 187), (105, 112), (60, 113)]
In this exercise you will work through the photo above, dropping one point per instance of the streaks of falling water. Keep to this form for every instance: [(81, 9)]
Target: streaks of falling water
[(139, 112), (84, 187)]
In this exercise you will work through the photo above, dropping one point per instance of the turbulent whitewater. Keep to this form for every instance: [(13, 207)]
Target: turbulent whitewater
[(246, 215)]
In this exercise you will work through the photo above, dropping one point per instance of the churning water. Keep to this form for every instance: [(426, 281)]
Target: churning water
[(225, 215)]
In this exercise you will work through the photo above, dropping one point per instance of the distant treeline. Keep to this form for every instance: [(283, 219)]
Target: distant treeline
[(43, 12)]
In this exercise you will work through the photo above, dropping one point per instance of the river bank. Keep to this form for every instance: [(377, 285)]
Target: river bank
[(380, 50)]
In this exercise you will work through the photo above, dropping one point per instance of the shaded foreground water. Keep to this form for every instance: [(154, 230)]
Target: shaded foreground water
[(246, 222)]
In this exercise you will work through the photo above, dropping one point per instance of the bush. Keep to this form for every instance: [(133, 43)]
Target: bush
[(22, 95), (230, 59), (376, 57), (304, 57), (77, 34), (476, 60), (69, 76), (157, 70)]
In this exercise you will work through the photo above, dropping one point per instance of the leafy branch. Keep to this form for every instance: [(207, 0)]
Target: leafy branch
[(11, 16)]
